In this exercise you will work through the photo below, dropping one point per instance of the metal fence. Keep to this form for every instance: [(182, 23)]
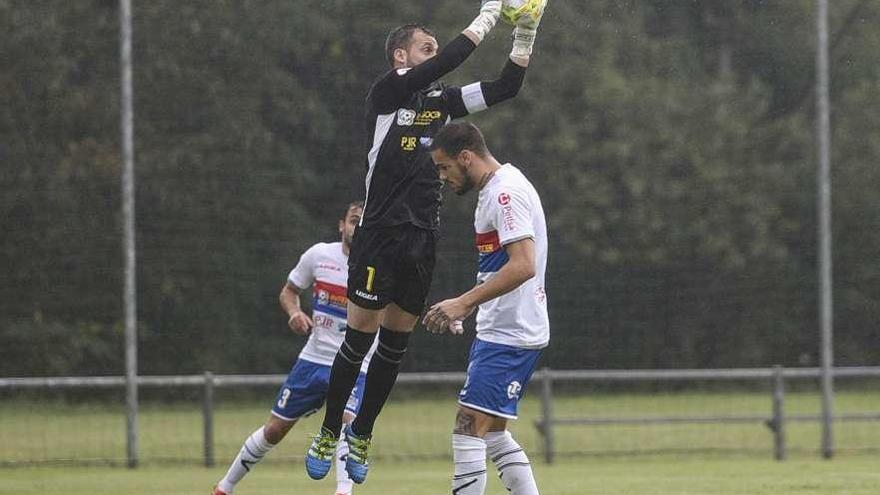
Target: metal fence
[(774, 418)]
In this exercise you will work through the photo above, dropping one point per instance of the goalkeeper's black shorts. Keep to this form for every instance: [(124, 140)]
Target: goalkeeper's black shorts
[(391, 265)]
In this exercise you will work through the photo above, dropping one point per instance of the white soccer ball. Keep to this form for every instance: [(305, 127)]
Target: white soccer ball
[(514, 10)]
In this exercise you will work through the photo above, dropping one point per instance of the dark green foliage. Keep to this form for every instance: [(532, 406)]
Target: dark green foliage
[(672, 141)]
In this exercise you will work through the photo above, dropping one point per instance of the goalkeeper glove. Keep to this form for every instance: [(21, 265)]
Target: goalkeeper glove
[(526, 29), (490, 11)]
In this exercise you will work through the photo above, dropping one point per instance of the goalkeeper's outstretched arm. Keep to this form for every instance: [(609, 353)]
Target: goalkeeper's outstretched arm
[(410, 80), (479, 96), (456, 51), (402, 82), (524, 36)]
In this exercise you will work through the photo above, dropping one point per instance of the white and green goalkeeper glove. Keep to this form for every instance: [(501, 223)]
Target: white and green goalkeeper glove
[(490, 11), (527, 28)]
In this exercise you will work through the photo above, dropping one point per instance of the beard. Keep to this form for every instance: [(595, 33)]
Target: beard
[(466, 186)]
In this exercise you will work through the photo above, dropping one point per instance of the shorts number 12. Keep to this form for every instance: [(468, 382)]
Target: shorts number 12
[(371, 276)]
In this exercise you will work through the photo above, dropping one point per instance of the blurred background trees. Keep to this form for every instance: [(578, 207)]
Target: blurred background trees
[(672, 142)]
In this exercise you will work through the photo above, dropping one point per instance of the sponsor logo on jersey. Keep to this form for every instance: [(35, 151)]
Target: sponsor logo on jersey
[(507, 218), (330, 299), (323, 321), (488, 242), (408, 143), (425, 117), (513, 390), (492, 257), (406, 117), (426, 141), (434, 94), (329, 266)]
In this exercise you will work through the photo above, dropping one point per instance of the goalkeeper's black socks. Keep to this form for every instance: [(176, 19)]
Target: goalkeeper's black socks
[(381, 376), (343, 375)]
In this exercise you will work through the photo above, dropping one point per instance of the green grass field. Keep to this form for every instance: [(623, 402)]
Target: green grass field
[(851, 475), (412, 448), (48, 431)]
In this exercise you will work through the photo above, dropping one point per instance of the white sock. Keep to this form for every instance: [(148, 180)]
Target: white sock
[(254, 449), (513, 465), (469, 454), (343, 482)]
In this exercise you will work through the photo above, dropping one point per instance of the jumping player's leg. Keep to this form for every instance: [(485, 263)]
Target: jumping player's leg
[(394, 333), (414, 269), (363, 324), (371, 279), (388, 280), (397, 326), (343, 375)]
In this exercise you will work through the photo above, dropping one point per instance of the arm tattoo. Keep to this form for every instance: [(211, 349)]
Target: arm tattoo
[(465, 424)]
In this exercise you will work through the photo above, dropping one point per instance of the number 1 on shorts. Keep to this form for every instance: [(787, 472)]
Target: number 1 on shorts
[(371, 275)]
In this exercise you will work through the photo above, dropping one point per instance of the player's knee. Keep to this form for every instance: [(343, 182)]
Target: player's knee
[(466, 448), (511, 461), (356, 345), (364, 319), (392, 345), (399, 319), (276, 429)]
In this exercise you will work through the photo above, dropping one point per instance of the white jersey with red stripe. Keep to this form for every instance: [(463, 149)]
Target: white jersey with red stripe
[(509, 210), (324, 267)]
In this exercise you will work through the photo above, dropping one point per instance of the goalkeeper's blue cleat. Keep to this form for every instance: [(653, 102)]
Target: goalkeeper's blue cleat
[(319, 458), (356, 463)]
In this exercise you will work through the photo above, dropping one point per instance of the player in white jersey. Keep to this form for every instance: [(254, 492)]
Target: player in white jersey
[(324, 267), (512, 321)]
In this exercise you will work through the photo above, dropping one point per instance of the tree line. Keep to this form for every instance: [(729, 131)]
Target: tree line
[(672, 142)]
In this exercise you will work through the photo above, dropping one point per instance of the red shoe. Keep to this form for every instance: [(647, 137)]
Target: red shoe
[(218, 491)]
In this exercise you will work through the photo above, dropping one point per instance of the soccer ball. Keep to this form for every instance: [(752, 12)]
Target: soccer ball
[(514, 10)]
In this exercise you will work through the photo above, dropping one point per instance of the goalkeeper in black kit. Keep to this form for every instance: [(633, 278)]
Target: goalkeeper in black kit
[(392, 255)]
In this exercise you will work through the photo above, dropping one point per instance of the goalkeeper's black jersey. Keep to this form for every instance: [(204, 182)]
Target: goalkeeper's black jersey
[(404, 110), (402, 181)]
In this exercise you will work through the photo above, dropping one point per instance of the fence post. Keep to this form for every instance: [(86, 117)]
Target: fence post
[(778, 421), (208, 418), (547, 413)]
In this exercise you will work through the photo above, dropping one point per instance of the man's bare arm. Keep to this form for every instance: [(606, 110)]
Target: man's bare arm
[(519, 268), (297, 320)]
